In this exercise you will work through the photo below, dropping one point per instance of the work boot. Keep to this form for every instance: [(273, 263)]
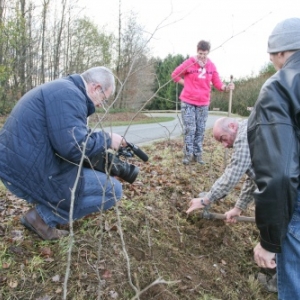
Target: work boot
[(187, 159), (198, 159), (35, 223)]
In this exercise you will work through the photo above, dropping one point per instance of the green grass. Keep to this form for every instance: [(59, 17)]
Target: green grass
[(144, 121)]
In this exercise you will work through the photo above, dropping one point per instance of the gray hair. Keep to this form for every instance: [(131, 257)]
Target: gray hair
[(100, 75)]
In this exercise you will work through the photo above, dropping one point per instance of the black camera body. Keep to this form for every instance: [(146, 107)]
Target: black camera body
[(116, 164)]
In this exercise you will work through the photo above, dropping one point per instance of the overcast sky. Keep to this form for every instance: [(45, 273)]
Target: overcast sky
[(237, 29)]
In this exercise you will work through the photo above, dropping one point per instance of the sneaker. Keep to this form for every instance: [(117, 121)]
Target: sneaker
[(187, 159), (198, 159)]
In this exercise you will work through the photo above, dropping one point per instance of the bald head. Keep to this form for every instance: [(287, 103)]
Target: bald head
[(225, 131)]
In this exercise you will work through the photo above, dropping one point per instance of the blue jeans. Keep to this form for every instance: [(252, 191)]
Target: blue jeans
[(288, 261), (99, 193), (194, 120)]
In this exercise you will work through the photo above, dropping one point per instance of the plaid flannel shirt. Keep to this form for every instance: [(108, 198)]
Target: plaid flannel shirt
[(239, 165)]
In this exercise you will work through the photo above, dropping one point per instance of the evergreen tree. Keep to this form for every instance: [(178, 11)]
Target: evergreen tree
[(166, 91)]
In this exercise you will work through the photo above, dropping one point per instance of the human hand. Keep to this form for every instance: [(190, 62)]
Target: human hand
[(263, 257), (117, 141), (196, 204), (181, 81), (232, 214), (230, 86)]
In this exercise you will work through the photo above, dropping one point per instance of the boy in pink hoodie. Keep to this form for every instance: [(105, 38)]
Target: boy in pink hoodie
[(196, 74)]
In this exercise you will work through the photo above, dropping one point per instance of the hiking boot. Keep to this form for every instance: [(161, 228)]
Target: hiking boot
[(198, 159), (35, 223), (187, 159)]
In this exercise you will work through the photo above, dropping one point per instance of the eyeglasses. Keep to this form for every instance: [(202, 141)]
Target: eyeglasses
[(105, 99)]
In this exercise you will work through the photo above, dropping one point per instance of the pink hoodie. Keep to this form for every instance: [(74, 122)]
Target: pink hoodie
[(197, 81)]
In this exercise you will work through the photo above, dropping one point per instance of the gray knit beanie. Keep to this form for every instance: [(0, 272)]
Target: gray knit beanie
[(285, 36)]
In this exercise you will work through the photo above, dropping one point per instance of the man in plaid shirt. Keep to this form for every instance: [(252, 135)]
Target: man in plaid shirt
[(232, 134)]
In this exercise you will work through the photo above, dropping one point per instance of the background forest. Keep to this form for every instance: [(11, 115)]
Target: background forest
[(48, 39)]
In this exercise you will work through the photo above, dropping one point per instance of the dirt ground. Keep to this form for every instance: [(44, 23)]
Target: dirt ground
[(145, 248)]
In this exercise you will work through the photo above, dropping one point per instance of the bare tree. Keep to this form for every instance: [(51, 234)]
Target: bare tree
[(45, 41), (2, 4), (58, 41), (21, 52), (133, 66), (44, 28)]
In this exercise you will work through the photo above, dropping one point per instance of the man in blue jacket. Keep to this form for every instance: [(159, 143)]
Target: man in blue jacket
[(41, 146)]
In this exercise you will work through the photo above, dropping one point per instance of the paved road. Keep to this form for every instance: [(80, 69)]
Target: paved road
[(146, 133)]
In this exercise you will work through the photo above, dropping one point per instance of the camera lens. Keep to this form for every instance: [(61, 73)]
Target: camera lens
[(132, 173), (124, 170)]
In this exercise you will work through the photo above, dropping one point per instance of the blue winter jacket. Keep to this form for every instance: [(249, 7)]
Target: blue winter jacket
[(40, 143)]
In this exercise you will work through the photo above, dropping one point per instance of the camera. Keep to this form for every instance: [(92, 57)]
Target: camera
[(116, 163)]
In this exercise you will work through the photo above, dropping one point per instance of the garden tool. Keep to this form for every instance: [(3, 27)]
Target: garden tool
[(206, 214)]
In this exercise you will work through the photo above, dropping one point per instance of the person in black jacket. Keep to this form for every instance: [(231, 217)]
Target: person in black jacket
[(273, 136), (42, 144)]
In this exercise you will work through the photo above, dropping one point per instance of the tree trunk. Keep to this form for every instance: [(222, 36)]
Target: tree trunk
[(58, 42), (44, 27), (22, 48)]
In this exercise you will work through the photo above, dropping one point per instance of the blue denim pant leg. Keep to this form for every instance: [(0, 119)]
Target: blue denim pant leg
[(288, 261), (100, 192), (51, 216)]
